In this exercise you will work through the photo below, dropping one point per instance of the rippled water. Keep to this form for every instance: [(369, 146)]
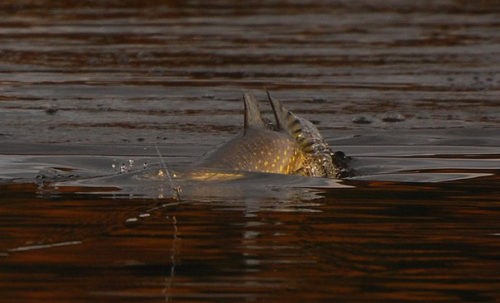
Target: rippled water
[(90, 91)]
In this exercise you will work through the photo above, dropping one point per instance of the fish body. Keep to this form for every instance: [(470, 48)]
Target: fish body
[(292, 146), (258, 150)]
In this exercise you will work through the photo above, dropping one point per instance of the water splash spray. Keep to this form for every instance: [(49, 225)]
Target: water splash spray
[(176, 190)]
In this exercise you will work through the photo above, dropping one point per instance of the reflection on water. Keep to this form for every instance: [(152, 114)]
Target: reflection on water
[(102, 234), (89, 89), (375, 242)]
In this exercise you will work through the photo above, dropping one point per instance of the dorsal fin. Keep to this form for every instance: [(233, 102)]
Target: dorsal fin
[(292, 124), (253, 119)]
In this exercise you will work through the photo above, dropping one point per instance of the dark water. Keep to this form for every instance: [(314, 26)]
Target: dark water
[(89, 91)]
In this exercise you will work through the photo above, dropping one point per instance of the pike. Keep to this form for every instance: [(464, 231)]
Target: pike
[(292, 146)]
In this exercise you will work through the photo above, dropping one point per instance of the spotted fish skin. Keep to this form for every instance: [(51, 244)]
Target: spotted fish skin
[(258, 150), (292, 146)]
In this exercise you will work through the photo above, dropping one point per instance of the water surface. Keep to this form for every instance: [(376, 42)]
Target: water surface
[(89, 92)]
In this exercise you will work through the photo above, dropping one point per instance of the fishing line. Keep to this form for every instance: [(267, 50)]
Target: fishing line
[(176, 190)]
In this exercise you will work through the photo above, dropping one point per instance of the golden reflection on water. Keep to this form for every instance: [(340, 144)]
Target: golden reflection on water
[(377, 241), (215, 176)]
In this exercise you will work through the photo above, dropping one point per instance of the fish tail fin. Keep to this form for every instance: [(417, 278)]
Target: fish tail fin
[(290, 123)]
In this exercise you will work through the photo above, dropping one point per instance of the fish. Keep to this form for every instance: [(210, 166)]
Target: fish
[(291, 146)]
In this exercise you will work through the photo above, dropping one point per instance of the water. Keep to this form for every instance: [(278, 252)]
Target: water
[(88, 92)]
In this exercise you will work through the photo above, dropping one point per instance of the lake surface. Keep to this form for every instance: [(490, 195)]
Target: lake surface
[(97, 98)]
